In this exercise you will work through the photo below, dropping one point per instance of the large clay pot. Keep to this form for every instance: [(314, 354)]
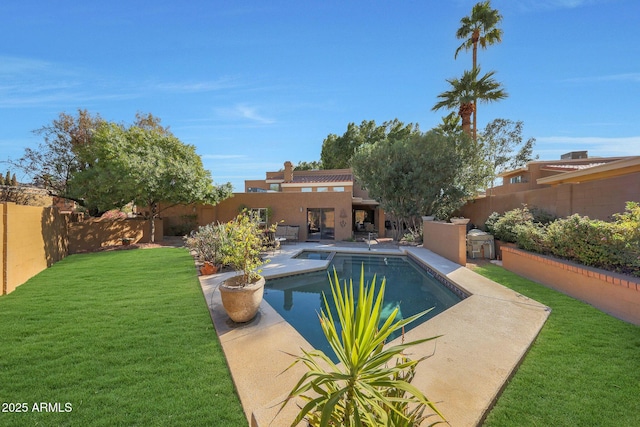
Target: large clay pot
[(241, 302)]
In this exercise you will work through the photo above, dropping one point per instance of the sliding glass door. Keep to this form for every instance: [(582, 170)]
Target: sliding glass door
[(321, 223)]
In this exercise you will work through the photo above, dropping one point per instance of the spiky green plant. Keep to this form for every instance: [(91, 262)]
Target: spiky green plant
[(371, 384)]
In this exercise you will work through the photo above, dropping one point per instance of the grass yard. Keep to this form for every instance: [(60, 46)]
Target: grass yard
[(119, 338), (583, 370)]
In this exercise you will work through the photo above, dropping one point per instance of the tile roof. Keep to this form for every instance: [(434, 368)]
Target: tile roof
[(570, 167), (310, 178)]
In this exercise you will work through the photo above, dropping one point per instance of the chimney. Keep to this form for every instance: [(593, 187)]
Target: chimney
[(288, 171), (575, 155)]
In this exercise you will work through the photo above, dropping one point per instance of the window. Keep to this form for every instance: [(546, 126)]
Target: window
[(322, 189), (306, 189), (515, 179), (338, 188), (274, 187), (262, 213)]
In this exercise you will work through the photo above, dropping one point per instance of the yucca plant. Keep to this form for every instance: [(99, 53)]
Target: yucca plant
[(371, 384)]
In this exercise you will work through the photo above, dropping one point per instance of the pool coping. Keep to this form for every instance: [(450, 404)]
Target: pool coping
[(484, 338)]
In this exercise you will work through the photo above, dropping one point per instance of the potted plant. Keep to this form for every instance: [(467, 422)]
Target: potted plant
[(242, 293), (206, 242)]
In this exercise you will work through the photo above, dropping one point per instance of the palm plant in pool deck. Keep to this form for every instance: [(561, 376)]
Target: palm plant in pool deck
[(372, 386)]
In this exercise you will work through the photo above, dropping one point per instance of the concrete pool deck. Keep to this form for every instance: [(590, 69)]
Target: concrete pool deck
[(484, 338)]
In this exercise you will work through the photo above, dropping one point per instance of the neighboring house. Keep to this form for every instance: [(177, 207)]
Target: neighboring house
[(596, 187), (323, 204)]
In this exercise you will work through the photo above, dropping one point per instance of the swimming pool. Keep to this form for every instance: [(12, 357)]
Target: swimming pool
[(298, 298)]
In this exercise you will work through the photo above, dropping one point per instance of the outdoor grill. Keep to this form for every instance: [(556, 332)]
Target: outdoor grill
[(480, 244)]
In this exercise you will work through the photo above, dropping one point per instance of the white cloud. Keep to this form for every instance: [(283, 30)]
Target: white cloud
[(206, 86), (10, 65), (245, 112)]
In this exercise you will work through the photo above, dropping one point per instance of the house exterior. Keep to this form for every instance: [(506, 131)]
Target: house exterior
[(322, 204), (596, 187)]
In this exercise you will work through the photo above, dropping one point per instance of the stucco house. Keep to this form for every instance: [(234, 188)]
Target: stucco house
[(322, 204), (596, 187)]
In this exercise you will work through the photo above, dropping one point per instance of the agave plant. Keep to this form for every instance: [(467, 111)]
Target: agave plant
[(371, 386)]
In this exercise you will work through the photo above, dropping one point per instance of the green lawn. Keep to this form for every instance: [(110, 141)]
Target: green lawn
[(583, 370), (121, 338), (125, 338)]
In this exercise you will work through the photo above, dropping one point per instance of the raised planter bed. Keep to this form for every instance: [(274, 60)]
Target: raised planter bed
[(615, 294)]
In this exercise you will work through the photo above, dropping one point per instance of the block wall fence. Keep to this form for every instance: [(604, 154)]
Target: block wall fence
[(446, 239), (33, 238), (615, 294)]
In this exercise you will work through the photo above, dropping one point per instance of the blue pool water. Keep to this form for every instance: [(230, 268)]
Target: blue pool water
[(298, 298)]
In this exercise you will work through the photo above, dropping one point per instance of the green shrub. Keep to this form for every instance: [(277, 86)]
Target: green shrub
[(505, 227), (581, 239), (613, 246), (490, 222), (532, 236)]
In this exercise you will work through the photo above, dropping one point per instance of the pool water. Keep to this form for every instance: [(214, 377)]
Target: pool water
[(322, 255), (298, 298)]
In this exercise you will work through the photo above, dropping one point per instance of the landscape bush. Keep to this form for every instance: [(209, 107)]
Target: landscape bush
[(611, 245)]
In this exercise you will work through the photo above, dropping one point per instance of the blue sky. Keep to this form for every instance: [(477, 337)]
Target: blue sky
[(255, 83)]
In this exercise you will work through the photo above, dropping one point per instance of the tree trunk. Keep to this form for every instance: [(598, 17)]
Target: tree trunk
[(465, 113), (153, 223), (475, 38)]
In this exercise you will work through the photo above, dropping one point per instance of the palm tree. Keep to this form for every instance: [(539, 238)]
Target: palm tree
[(465, 92), (479, 28)]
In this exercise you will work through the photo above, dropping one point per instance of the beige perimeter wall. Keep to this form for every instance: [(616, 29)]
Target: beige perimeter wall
[(32, 239), (95, 233), (595, 199)]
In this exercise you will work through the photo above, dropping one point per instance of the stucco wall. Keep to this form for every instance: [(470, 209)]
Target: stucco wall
[(446, 239), (33, 238), (287, 208), (95, 233), (595, 199), (612, 293)]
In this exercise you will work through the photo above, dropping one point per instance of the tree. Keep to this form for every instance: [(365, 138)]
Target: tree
[(337, 151), (450, 125), (308, 166), (53, 162), (465, 92), (144, 165), (504, 148), (479, 28), (423, 174)]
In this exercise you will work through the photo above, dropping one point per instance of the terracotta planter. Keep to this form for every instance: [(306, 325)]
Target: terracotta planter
[(241, 302), (208, 268)]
